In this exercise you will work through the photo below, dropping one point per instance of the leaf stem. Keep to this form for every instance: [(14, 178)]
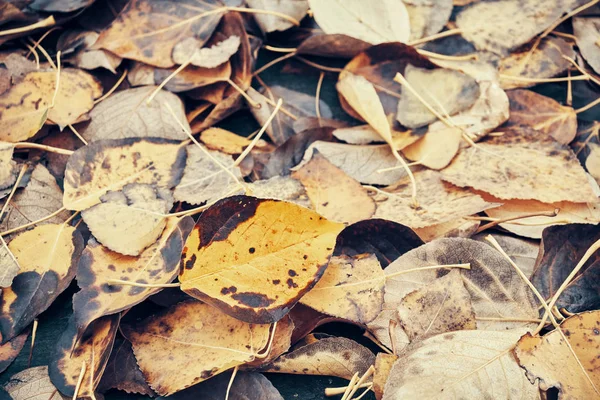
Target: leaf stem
[(523, 216), (40, 24), (27, 225), (113, 88), (449, 32), (29, 145)]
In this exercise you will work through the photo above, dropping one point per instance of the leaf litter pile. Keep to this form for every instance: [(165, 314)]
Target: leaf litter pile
[(441, 211)]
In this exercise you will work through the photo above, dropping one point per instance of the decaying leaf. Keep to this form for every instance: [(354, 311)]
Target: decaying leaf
[(126, 114), (481, 365), (333, 194), (219, 342), (385, 21), (11, 349), (109, 165), (523, 252), (331, 356), (47, 256), (269, 254), (543, 114), (504, 166), (438, 201), (72, 353), (147, 30), (158, 264), (565, 359), (32, 383), (351, 288), (269, 23), (587, 33), (205, 178), (26, 105), (440, 307), (8, 167), (122, 371)]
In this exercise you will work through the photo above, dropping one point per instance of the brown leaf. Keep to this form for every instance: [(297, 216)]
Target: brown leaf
[(440, 307), (32, 383), (158, 264), (438, 201), (565, 360), (282, 340), (21, 119), (227, 343), (270, 23), (351, 288), (76, 44), (127, 114), (189, 50), (108, 165), (335, 45), (510, 172), (228, 142), (47, 255), (383, 365), (93, 351), (147, 30), (586, 30), (249, 237), (330, 356), (546, 61), (122, 371), (333, 194), (189, 78), (11, 349), (461, 227), (542, 113)]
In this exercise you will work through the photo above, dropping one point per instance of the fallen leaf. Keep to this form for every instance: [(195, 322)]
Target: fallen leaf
[(189, 50), (351, 288), (228, 142), (8, 167), (509, 172), (333, 194), (438, 201), (440, 307), (334, 45), (93, 351), (436, 148), (76, 43), (32, 383), (270, 23), (249, 237), (542, 113), (191, 77), (77, 91), (546, 61), (148, 30), (502, 26), (361, 134), (586, 31), (330, 356), (561, 249), (426, 17), (385, 21), (59, 6), (109, 165), (56, 163), (158, 264), (129, 220), (461, 227), (383, 366), (205, 178), (122, 371), (126, 114), (481, 365), (47, 255), (564, 359), (11, 349), (448, 92), (282, 340), (9, 266), (523, 252), (227, 343), (280, 188)]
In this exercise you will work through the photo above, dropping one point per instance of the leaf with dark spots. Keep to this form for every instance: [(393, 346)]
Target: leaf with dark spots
[(122, 371), (162, 345), (11, 349), (153, 161), (48, 256), (158, 264), (386, 239), (561, 249), (281, 234), (92, 350)]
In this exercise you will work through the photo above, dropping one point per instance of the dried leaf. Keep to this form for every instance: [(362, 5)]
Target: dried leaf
[(330, 356), (122, 371), (270, 23), (205, 180), (9, 266), (523, 252), (542, 113), (438, 201), (32, 384), (109, 165), (129, 220), (189, 50), (440, 307), (8, 167), (280, 188), (227, 343), (461, 227), (385, 21), (587, 32), (47, 255), (335, 45), (26, 105), (126, 114), (71, 354), (190, 77), (11, 349), (351, 288), (270, 253), (510, 172), (333, 194), (228, 142), (158, 264), (481, 366), (565, 360), (147, 30), (427, 17), (383, 366), (62, 6)]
